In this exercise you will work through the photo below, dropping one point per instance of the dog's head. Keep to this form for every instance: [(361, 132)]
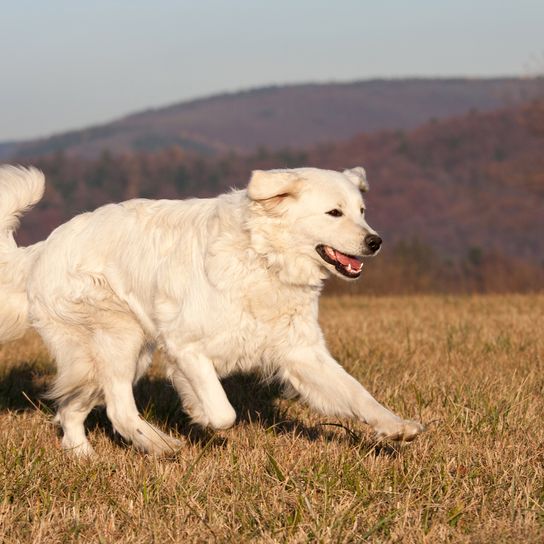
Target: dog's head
[(314, 216)]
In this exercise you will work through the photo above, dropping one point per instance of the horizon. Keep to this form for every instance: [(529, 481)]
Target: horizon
[(219, 94), (77, 65)]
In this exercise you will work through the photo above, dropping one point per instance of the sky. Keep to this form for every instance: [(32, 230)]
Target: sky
[(67, 64)]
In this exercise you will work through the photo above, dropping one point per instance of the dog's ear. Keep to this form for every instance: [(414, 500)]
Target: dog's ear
[(357, 176), (276, 184)]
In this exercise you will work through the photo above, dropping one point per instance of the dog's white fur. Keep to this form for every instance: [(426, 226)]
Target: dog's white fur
[(221, 285)]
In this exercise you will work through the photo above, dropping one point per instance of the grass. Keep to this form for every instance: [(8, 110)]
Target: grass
[(471, 368)]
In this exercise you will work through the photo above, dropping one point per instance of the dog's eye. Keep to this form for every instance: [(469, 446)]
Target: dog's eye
[(363, 211), (335, 213)]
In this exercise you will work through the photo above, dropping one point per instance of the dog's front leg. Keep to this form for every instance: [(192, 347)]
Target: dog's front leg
[(327, 387), (201, 392)]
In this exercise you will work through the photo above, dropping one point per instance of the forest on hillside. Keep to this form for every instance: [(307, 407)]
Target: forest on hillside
[(458, 202)]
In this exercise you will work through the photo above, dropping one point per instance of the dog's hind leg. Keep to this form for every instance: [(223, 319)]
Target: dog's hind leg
[(75, 388), (123, 414), (71, 415), (145, 358), (201, 392), (100, 354), (118, 348)]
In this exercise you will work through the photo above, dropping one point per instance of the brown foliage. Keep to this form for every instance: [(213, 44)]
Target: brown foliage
[(440, 195)]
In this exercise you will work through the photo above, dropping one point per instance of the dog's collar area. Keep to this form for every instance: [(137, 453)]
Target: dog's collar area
[(348, 265)]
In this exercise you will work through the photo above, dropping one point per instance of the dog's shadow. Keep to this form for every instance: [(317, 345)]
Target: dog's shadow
[(23, 388)]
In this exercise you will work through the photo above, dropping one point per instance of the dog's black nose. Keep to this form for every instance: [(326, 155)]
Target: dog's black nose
[(373, 242)]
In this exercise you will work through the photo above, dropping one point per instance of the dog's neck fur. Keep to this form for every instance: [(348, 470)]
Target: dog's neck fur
[(271, 243)]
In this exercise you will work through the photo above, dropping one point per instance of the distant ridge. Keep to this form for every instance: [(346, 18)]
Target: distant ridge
[(277, 117)]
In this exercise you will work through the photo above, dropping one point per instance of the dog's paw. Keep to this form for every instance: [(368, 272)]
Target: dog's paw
[(401, 430), (82, 450), (151, 440), (163, 445)]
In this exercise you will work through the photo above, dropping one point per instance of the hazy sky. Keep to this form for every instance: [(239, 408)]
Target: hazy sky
[(71, 63)]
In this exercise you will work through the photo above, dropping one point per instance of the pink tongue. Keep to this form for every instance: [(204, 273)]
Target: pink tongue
[(345, 260)]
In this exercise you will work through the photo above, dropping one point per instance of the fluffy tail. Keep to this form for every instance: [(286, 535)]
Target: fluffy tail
[(20, 189)]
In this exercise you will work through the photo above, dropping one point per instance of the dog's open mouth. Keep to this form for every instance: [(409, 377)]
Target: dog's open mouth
[(348, 265)]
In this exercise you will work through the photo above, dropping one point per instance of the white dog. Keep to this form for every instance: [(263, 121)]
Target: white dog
[(221, 285)]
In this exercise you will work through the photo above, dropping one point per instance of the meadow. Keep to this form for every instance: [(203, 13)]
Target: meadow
[(471, 368)]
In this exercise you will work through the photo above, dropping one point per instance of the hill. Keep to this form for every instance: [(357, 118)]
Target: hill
[(453, 198), (285, 116), (476, 181)]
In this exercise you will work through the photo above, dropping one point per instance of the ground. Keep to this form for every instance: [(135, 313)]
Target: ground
[(470, 368)]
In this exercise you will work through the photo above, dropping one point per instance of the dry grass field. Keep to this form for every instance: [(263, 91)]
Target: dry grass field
[(471, 368)]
